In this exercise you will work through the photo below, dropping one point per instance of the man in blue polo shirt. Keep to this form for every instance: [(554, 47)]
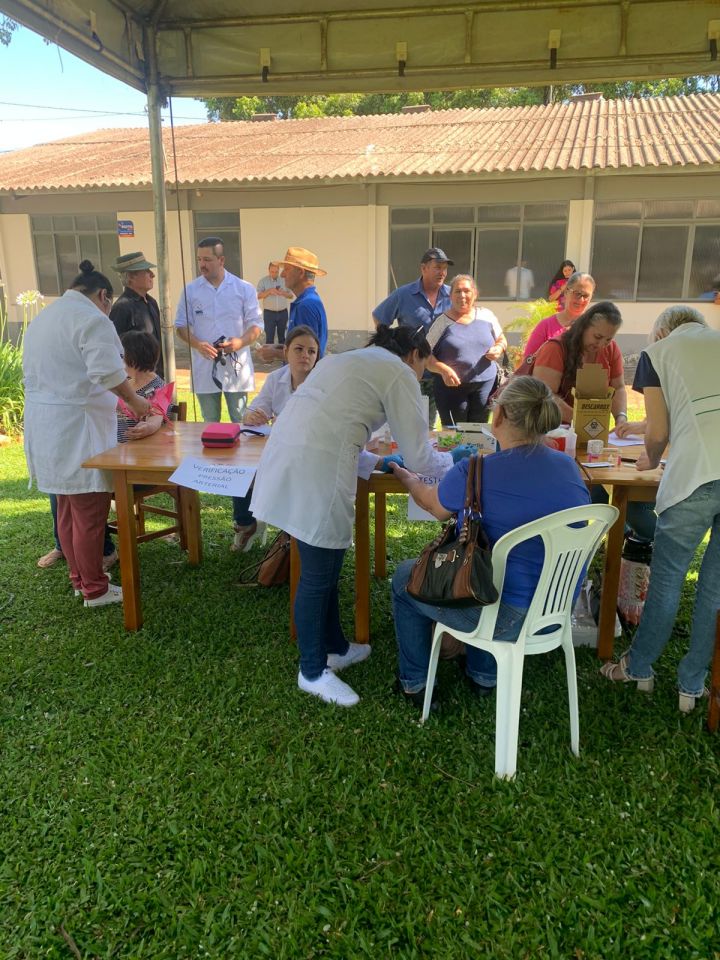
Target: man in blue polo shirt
[(419, 303), (299, 269)]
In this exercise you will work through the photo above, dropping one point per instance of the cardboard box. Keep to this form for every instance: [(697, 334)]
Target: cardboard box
[(592, 399)]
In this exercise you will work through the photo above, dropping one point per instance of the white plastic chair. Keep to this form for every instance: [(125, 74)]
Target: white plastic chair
[(567, 551)]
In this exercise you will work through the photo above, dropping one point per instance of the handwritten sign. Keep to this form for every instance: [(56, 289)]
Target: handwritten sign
[(214, 476), (414, 511)]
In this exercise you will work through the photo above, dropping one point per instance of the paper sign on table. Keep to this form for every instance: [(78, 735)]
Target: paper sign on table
[(414, 511), (214, 476), (630, 441)]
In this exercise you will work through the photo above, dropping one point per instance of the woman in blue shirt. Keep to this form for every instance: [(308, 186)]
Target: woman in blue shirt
[(524, 481), (467, 343)]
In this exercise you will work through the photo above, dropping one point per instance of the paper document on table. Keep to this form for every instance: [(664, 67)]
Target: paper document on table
[(214, 476), (414, 511), (630, 441)]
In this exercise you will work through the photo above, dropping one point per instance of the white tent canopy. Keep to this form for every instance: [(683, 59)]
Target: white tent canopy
[(221, 48)]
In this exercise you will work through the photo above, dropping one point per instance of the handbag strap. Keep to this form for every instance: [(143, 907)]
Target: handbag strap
[(478, 486)]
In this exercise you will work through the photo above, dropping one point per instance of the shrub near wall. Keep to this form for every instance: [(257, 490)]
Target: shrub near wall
[(12, 395)]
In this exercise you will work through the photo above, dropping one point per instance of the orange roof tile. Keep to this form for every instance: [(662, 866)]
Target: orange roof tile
[(595, 134)]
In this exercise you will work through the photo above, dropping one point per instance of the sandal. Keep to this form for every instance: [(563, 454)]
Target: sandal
[(50, 558), (617, 672)]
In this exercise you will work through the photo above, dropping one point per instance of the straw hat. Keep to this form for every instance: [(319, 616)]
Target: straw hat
[(130, 262), (304, 259)]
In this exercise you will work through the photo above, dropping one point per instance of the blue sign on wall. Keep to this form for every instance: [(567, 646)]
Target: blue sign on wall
[(125, 228)]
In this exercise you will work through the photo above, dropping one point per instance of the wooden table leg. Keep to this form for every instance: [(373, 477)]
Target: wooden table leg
[(189, 502), (714, 709), (362, 562), (611, 576), (294, 580), (127, 537), (380, 535)]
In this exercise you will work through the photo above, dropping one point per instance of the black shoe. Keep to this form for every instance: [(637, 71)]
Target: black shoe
[(417, 699), (478, 689)]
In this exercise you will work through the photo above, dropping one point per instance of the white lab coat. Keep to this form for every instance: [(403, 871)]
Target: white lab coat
[(72, 358), (307, 477)]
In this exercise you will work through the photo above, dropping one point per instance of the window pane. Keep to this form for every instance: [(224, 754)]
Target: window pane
[(613, 261), (546, 211), (705, 266), (500, 212), (109, 252), (454, 215), (107, 221), (68, 259), (457, 244), (618, 210), (406, 248), (217, 219), (85, 223), (662, 262), (89, 249), (66, 224), (708, 208), (41, 223), (233, 261), (46, 267), (497, 252), (543, 252), (668, 209), (410, 215)]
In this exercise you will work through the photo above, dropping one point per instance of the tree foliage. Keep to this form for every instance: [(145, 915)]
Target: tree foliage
[(6, 30), (363, 104)]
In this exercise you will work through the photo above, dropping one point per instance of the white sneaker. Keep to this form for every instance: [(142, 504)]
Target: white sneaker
[(329, 688), (355, 653), (114, 595)]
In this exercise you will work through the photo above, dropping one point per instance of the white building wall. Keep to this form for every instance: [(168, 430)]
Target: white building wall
[(17, 260)]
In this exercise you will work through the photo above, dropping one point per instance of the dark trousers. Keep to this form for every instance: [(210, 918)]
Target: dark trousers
[(317, 608), (464, 404), (275, 320)]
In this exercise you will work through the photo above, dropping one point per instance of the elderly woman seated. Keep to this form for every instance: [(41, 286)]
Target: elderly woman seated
[(525, 480)]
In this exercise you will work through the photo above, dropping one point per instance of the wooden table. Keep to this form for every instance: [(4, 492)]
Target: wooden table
[(625, 483), (152, 461)]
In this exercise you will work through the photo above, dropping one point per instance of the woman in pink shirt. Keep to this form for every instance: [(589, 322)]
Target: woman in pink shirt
[(556, 290), (578, 294)]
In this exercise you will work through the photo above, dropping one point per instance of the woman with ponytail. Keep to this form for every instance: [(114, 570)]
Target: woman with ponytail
[(74, 372), (307, 477)]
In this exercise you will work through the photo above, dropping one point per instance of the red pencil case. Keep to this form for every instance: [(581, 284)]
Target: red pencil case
[(221, 435)]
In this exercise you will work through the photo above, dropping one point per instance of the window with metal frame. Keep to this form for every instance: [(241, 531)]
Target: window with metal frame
[(226, 225), (511, 249), (62, 242), (656, 249)]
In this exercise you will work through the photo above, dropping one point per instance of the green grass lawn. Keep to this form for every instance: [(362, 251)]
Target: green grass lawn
[(170, 794)]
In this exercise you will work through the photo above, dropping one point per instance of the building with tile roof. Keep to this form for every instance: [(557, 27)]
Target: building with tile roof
[(627, 189)]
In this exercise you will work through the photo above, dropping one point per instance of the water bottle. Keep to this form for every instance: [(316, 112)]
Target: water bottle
[(634, 579)]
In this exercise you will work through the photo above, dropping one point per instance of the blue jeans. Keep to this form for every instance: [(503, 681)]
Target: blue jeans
[(463, 404), (317, 608), (680, 530), (414, 623), (108, 545), (640, 517), (211, 406)]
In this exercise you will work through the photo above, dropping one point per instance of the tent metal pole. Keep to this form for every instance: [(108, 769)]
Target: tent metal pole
[(157, 159)]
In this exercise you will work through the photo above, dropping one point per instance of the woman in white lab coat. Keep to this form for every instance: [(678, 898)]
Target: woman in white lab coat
[(74, 372), (307, 477)]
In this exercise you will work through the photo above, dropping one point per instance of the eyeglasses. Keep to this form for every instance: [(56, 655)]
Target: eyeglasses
[(578, 294)]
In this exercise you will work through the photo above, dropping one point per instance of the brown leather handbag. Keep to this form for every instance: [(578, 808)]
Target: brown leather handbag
[(455, 570), (274, 568)]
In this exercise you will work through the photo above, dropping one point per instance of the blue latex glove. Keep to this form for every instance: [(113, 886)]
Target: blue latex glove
[(463, 451), (393, 458)]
